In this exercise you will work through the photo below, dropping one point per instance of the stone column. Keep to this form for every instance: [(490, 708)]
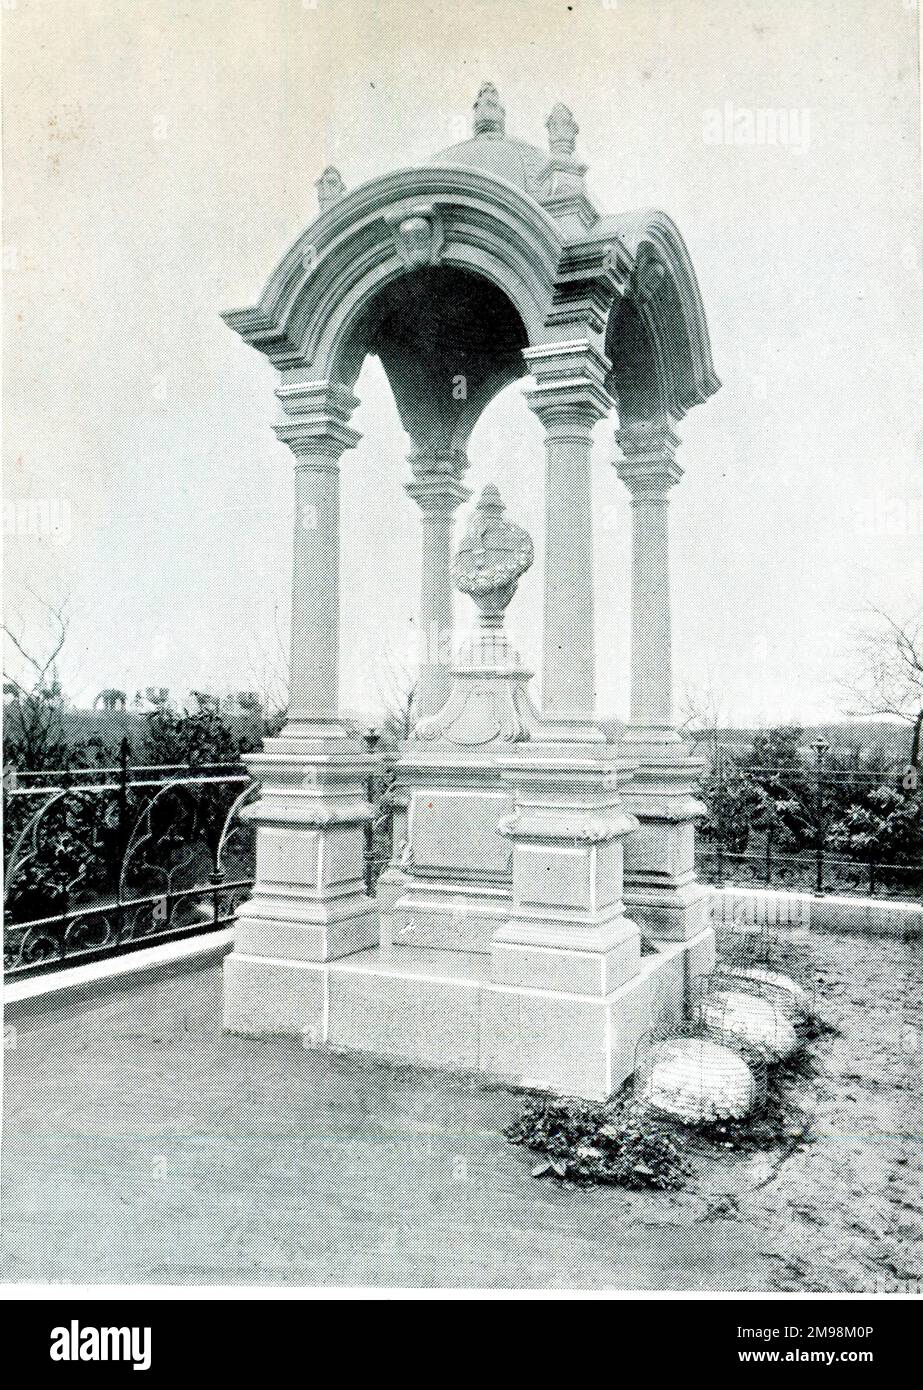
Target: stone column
[(438, 491), (661, 890), (649, 470), (317, 432), (569, 399), (309, 903)]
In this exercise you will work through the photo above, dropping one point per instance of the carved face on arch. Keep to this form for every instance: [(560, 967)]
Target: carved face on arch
[(417, 235)]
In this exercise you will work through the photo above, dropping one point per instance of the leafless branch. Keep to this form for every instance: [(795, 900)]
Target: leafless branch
[(397, 693), (40, 664), (702, 713), (269, 670), (889, 659)]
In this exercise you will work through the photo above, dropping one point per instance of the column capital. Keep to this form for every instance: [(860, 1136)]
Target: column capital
[(317, 425), (648, 466), (449, 463), (570, 393), (437, 485)]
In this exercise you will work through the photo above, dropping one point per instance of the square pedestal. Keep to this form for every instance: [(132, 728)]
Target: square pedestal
[(661, 892)]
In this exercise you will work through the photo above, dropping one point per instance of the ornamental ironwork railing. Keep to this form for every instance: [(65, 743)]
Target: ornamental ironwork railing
[(813, 826), (101, 861)]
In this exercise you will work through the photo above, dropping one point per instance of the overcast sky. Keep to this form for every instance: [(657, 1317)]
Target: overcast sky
[(161, 156)]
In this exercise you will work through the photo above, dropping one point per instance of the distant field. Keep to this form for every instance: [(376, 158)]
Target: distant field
[(81, 725), (893, 738)]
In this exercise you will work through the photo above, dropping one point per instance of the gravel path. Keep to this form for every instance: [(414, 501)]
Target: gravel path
[(140, 1145)]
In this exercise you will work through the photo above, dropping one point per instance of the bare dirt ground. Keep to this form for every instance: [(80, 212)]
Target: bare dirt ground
[(140, 1145)]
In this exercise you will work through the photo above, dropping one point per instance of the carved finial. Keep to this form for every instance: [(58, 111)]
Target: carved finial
[(492, 558), (559, 185), (489, 503), (330, 188), (489, 115), (562, 131)]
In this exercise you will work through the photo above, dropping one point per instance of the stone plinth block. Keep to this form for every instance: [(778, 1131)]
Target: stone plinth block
[(662, 893), (448, 916), (264, 995), (568, 930), (594, 962), (309, 900), (449, 887)]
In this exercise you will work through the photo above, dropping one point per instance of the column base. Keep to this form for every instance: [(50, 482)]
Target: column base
[(668, 913), (578, 960), (661, 890), (295, 928), (565, 728), (309, 901)]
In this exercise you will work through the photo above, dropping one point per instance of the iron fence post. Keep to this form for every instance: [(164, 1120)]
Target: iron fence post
[(62, 946), (821, 749), (216, 878), (719, 768), (370, 739), (123, 833)]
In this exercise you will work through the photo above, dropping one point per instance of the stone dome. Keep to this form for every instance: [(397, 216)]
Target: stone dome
[(490, 150), (514, 160)]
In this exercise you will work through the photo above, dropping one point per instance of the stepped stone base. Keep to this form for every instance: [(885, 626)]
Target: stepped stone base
[(442, 1008)]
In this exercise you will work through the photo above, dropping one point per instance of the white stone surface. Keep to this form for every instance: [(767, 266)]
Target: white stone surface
[(747, 1018), (832, 912), (51, 984), (443, 1008), (696, 1080)]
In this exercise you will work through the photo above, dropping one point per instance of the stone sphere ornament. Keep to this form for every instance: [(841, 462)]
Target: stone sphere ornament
[(696, 1080), (754, 1022), (787, 994)]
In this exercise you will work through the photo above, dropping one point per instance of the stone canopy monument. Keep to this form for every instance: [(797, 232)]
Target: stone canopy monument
[(530, 853)]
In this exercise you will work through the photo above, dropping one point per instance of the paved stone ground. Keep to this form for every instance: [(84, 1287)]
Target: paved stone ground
[(142, 1145)]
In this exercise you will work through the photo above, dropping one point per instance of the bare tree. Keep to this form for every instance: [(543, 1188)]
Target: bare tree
[(702, 715), (398, 695), (270, 673), (890, 678), (889, 682), (35, 735)]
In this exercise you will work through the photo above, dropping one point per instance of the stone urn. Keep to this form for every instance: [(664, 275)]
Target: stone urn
[(488, 702)]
